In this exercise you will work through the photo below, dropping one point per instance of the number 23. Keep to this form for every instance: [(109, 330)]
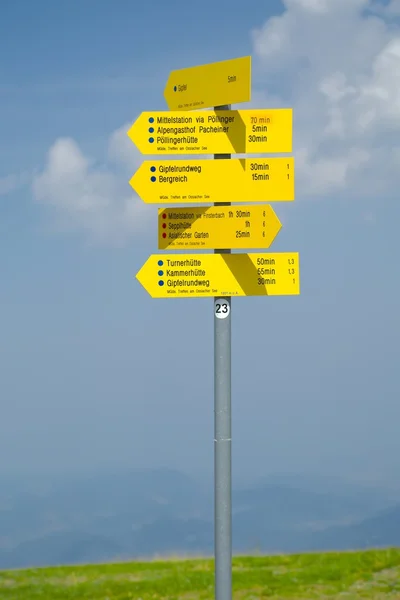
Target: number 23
[(221, 308)]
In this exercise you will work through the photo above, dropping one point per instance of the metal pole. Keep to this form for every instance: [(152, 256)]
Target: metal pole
[(222, 435)]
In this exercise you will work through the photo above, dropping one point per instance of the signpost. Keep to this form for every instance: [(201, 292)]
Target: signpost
[(221, 227), (213, 132), (222, 429), (202, 275), (241, 226), (225, 82), (207, 181)]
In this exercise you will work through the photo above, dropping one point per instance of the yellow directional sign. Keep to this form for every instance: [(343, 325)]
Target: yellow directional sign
[(201, 275), (217, 227), (214, 132), (226, 82), (225, 180)]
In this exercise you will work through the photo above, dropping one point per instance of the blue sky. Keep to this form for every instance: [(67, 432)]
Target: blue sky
[(93, 371)]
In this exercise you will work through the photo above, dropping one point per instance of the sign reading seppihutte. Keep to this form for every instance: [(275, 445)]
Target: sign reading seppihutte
[(214, 84), (202, 275), (214, 132), (225, 180), (211, 227)]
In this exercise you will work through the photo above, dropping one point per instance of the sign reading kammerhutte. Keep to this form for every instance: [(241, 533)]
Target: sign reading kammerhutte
[(201, 275)]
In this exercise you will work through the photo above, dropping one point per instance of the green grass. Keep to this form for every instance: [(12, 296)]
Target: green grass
[(347, 575)]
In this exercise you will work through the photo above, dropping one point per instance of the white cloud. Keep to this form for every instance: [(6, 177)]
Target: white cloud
[(92, 197), (121, 149), (337, 63), (13, 182), (392, 9)]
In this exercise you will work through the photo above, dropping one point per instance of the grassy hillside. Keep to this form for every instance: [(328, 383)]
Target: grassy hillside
[(348, 575)]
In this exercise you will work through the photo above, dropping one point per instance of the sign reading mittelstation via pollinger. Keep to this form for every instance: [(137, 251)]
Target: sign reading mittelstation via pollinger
[(213, 132)]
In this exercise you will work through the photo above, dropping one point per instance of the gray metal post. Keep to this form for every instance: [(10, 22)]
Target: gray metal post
[(222, 436)]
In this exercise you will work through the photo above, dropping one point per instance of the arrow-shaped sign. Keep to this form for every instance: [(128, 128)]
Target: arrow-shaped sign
[(207, 181), (214, 132), (202, 275), (203, 228), (205, 86)]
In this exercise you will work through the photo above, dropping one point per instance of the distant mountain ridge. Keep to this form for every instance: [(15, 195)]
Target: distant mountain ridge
[(141, 513)]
